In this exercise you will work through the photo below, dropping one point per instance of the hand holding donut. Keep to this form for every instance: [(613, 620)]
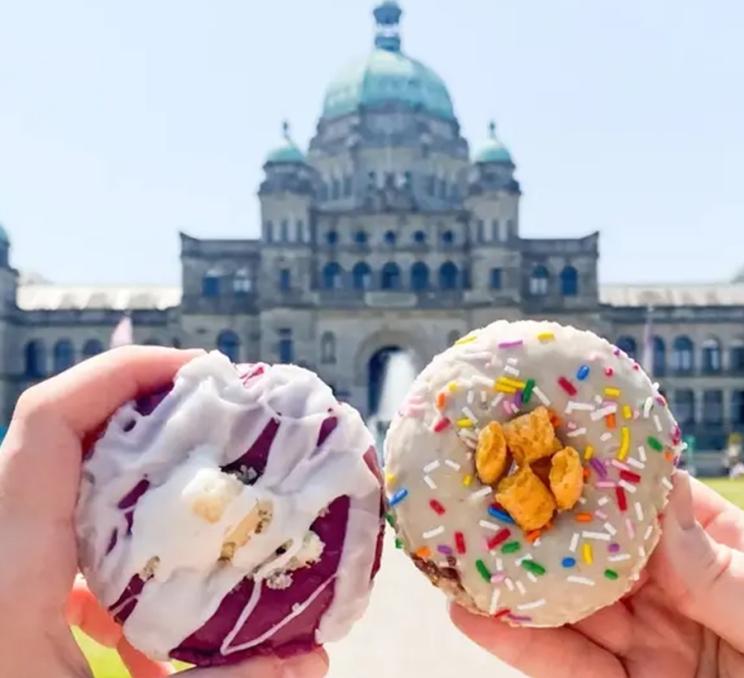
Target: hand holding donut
[(683, 618)]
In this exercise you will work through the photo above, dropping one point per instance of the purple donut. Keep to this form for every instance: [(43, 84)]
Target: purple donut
[(236, 512)]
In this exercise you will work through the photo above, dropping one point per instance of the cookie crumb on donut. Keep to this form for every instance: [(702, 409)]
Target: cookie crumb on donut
[(531, 436), (527, 500)]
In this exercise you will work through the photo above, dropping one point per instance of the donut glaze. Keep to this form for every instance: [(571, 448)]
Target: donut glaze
[(179, 471), (607, 409)]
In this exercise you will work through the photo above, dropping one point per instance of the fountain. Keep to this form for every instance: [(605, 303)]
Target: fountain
[(399, 373)]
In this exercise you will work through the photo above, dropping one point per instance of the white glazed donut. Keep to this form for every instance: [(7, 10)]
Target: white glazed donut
[(238, 512), (608, 410)]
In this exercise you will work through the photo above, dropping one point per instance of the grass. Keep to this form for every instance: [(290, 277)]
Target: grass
[(106, 663)]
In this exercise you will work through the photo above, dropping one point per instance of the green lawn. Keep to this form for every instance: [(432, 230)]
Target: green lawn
[(106, 663)]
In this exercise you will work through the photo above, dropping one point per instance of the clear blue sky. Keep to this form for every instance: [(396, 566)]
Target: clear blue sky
[(123, 122)]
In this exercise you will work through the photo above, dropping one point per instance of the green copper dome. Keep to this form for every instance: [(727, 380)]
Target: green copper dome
[(288, 152), (494, 150), (387, 75)]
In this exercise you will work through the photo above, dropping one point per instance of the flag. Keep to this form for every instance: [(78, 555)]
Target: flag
[(648, 343), (123, 333)]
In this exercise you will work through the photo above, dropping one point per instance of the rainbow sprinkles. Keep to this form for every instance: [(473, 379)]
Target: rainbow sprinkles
[(601, 404)]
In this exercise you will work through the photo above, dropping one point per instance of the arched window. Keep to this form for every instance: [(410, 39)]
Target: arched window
[(229, 344), (332, 237), (419, 237), (711, 356), (419, 276), (285, 280), (92, 347), (64, 355), (448, 276), (335, 189), (736, 356), (332, 276), (347, 185), (211, 284), (713, 407), (448, 237), (269, 231), (481, 225), (539, 281), (362, 275), (683, 355), (684, 406), (285, 230), (390, 279), (328, 348), (390, 238), (360, 237), (496, 230), (659, 354), (242, 283), (300, 230), (569, 282), (36, 358), (628, 346), (496, 279)]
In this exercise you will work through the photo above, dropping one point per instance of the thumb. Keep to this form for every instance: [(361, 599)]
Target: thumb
[(311, 665), (703, 577)]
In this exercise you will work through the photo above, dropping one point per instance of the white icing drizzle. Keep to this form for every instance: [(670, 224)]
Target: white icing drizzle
[(209, 419)]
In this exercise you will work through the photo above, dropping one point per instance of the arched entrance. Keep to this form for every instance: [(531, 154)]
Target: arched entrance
[(391, 373), (377, 370)]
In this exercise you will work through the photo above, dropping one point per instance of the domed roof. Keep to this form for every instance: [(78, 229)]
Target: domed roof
[(288, 152), (493, 151), (387, 75)]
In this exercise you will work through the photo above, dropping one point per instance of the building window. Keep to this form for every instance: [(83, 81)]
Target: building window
[(419, 276), (442, 183), (390, 279), (64, 355), (684, 406), (736, 356), (658, 368), (332, 237), (36, 359), (335, 189), (448, 276), (285, 280), (285, 346), (481, 226), (569, 282), (430, 184), (229, 344), (332, 276), (211, 285), (496, 230), (713, 407), (390, 238), (328, 348), (448, 237), (711, 356), (91, 348), (539, 281), (628, 346), (269, 229), (360, 237), (737, 407), (347, 185), (300, 229), (362, 276), (419, 237), (372, 181), (242, 283), (683, 355), (496, 279), (324, 190)]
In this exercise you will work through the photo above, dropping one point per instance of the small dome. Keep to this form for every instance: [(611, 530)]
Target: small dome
[(387, 75), (288, 152), (4, 238), (494, 150)]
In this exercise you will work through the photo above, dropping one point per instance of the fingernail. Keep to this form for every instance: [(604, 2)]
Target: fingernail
[(680, 501), (313, 665)]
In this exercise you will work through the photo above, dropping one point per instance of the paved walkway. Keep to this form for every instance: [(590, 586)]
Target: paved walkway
[(406, 633)]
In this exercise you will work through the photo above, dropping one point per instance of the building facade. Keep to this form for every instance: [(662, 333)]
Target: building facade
[(388, 233)]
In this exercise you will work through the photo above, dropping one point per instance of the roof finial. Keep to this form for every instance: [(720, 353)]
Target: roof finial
[(387, 15), (492, 129), (285, 129)]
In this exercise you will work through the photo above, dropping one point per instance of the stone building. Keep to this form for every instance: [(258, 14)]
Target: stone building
[(387, 233)]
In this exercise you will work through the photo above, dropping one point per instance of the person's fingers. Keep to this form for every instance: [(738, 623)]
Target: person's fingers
[(704, 578), (721, 519), (610, 628), (311, 665), (84, 611), (540, 653), (89, 393), (140, 666)]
